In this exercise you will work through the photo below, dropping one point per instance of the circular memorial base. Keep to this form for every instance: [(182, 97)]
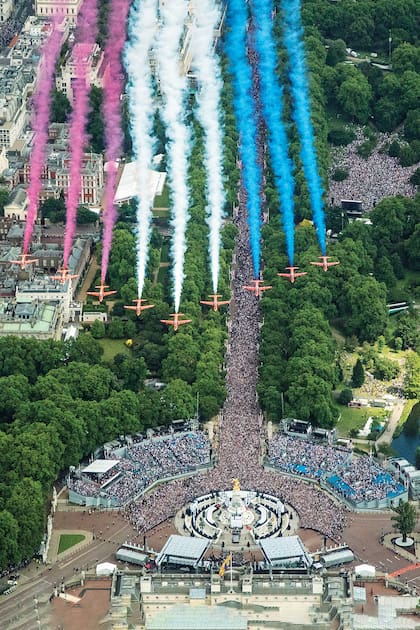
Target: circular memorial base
[(237, 519), (401, 543)]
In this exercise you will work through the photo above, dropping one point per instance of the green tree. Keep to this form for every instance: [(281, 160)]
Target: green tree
[(26, 505), (418, 458), (85, 349), (115, 328), (346, 395), (354, 96), (4, 199), (60, 107), (97, 330), (358, 374), (366, 307), (95, 127), (405, 519), (406, 57), (14, 390), (131, 371), (412, 376), (9, 532), (53, 209), (85, 216), (177, 401), (398, 344), (412, 125), (336, 51)]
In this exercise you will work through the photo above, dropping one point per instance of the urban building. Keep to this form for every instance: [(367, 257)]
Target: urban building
[(96, 64), (17, 206), (6, 9), (66, 8), (41, 289), (407, 474), (40, 320), (56, 175)]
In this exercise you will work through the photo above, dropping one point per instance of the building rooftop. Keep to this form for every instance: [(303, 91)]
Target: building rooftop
[(100, 466), (36, 322), (184, 617), (183, 547)]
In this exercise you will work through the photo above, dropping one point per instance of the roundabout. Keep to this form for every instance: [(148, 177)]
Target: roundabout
[(237, 518)]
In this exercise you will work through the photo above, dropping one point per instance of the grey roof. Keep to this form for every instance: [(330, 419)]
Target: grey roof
[(184, 547), (129, 555), (183, 617), (283, 548)]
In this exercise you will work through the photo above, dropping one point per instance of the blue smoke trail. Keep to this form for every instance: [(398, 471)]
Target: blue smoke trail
[(272, 100), (236, 47), (293, 40)]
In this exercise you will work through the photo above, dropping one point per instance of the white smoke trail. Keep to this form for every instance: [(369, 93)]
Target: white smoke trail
[(141, 31), (172, 81), (207, 72)]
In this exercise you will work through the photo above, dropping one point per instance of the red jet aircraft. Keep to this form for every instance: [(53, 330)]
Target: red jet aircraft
[(139, 307), (102, 293), (325, 262), (63, 275), (24, 261), (215, 302), (176, 322), (258, 288), (292, 275)]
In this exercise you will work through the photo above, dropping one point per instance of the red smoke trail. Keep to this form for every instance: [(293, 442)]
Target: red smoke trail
[(85, 40), (41, 116), (113, 88)]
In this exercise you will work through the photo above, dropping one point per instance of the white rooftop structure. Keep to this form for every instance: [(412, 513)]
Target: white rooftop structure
[(285, 551), (105, 568), (365, 570), (183, 550), (128, 185), (100, 466)]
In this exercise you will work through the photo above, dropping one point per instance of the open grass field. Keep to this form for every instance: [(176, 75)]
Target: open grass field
[(354, 418), (69, 540), (162, 201), (112, 347)]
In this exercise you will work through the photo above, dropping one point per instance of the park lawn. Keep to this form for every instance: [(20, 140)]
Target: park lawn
[(69, 540), (354, 418), (162, 201), (112, 347)]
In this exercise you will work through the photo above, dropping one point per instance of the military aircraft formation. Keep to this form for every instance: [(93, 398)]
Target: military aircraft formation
[(256, 286)]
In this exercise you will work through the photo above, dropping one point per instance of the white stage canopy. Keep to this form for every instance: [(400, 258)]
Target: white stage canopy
[(100, 466)]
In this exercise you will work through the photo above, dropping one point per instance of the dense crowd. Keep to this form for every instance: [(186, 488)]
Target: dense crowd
[(144, 463), (8, 30), (370, 180), (305, 457), (240, 423), (358, 479), (363, 480)]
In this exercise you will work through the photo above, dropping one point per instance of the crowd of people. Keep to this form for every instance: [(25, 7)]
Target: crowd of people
[(362, 480), (240, 422), (306, 457), (369, 180), (8, 30), (358, 479), (145, 462)]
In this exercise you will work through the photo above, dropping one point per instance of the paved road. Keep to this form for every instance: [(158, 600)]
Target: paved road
[(18, 611), (386, 436)]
